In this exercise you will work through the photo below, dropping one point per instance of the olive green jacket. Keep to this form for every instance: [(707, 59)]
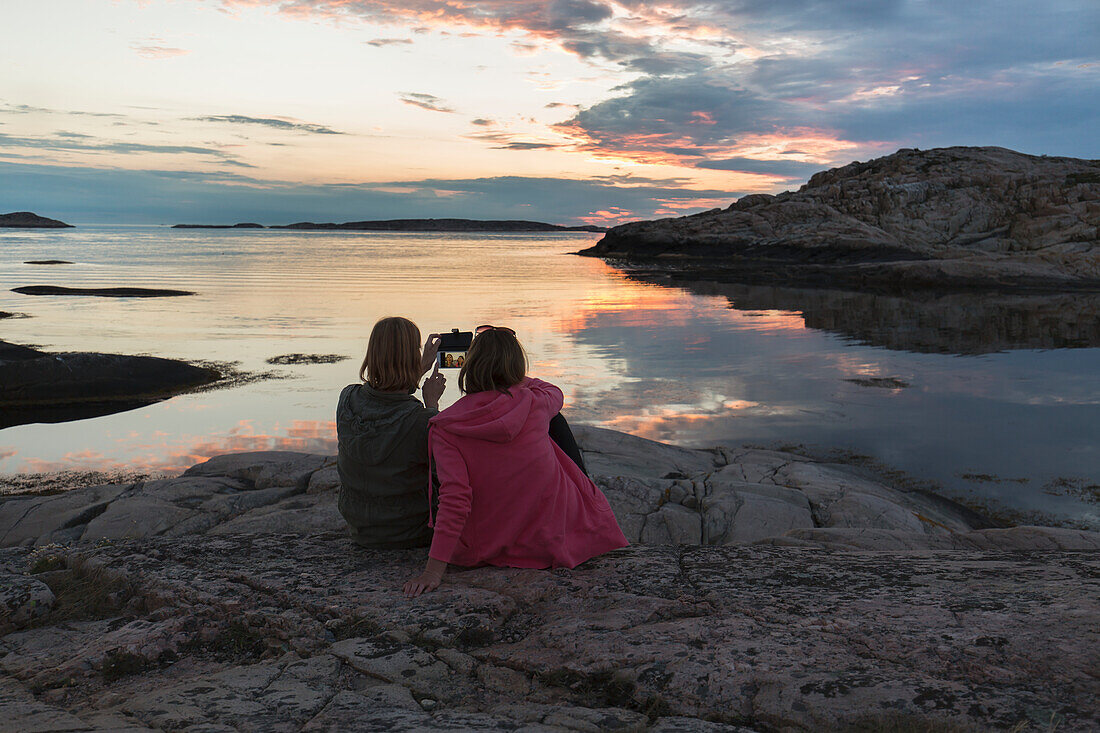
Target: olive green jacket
[(383, 465)]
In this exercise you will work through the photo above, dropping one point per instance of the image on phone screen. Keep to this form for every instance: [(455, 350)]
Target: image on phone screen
[(453, 347)]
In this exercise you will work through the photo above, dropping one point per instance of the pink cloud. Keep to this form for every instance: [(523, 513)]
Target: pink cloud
[(159, 52)]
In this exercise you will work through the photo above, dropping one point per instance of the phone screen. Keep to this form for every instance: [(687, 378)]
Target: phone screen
[(453, 347), (452, 359)]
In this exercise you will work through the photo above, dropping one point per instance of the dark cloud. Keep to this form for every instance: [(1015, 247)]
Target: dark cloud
[(879, 74), (381, 42), (273, 122), (784, 168), (425, 101), (67, 143), (689, 115), (20, 109), (523, 145), (665, 63), (481, 122), (511, 141)]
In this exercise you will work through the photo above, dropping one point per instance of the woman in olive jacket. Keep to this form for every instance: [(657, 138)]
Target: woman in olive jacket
[(383, 437)]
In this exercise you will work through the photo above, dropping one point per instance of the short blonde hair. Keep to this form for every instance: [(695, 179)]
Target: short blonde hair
[(495, 361), (392, 362)]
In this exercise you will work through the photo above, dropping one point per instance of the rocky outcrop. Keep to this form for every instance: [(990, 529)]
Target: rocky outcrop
[(29, 220), (950, 217), (231, 598), (36, 386)]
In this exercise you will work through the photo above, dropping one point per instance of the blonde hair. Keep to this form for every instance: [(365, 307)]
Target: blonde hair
[(392, 362), (495, 361)]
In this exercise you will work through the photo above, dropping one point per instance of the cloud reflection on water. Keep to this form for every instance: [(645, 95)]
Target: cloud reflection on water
[(171, 455)]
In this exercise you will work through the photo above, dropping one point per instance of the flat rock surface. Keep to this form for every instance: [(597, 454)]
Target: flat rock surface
[(949, 217), (763, 591), (311, 633)]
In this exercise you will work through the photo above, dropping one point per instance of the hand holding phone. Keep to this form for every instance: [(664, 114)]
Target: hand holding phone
[(428, 355)]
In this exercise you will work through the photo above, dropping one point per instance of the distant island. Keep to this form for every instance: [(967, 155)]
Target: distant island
[(30, 220), (413, 225), (242, 225)]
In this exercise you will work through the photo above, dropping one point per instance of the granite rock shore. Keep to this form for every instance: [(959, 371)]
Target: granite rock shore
[(764, 591), (960, 217)]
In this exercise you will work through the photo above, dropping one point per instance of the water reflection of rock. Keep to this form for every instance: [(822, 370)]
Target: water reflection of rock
[(957, 323)]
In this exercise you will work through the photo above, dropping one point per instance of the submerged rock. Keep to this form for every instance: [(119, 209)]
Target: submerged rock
[(289, 359), (934, 219), (101, 292)]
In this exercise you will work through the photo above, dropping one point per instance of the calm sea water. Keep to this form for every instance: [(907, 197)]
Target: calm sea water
[(993, 397)]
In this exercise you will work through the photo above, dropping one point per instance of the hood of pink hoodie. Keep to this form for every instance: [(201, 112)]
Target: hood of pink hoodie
[(491, 416)]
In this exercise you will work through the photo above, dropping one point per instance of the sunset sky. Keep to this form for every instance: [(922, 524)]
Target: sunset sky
[(598, 111)]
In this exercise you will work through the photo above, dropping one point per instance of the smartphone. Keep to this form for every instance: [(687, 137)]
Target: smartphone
[(453, 347)]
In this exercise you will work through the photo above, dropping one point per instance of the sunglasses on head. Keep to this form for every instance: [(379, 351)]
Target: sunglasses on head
[(483, 329)]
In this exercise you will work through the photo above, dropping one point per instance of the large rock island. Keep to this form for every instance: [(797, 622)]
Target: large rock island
[(29, 220), (765, 591), (943, 218)]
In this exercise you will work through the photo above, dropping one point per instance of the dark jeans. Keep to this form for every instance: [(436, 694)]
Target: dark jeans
[(563, 436)]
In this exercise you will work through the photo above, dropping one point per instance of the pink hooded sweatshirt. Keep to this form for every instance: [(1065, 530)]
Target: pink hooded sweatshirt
[(508, 495)]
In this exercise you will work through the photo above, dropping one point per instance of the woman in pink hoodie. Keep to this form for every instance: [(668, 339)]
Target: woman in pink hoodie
[(508, 495)]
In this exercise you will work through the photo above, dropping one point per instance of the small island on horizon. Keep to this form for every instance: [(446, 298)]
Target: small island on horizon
[(30, 220), (413, 225)]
